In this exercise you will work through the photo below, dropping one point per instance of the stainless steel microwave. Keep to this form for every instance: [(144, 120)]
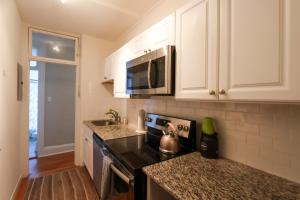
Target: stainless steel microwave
[(152, 73)]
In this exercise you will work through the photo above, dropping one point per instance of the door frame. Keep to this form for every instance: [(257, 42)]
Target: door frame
[(77, 64)]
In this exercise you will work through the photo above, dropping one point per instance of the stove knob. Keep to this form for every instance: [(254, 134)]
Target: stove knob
[(186, 128), (179, 127)]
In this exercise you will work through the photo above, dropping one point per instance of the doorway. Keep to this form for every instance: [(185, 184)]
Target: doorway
[(33, 110), (52, 85)]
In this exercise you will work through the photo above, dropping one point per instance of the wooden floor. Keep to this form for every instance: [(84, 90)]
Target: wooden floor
[(46, 166), (69, 184)]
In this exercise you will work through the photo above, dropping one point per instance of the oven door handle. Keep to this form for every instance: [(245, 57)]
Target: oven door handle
[(149, 73), (121, 174)]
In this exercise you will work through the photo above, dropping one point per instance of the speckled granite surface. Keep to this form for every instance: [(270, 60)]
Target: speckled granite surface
[(111, 131), (194, 177)]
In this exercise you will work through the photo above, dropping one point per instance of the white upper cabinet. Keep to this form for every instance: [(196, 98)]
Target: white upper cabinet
[(108, 75), (162, 33), (197, 50), (120, 72), (138, 46), (157, 36), (259, 43)]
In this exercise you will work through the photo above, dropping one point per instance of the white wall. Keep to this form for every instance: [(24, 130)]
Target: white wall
[(10, 35), (96, 98)]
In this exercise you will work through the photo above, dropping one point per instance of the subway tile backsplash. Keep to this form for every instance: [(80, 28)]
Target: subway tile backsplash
[(264, 136)]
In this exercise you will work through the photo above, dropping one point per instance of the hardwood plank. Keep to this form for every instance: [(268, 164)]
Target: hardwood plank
[(78, 186), (57, 187), (50, 164), (29, 188), (36, 189), (47, 188), (68, 186), (89, 187)]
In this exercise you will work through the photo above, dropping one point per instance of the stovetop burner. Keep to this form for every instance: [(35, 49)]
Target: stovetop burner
[(136, 152)]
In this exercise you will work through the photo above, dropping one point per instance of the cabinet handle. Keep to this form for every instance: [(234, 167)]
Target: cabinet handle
[(86, 139), (212, 92), (105, 77), (222, 92)]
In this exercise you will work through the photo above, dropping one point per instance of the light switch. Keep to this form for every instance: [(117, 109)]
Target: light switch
[(49, 99)]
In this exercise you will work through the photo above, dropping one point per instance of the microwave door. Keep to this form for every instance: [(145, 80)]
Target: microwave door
[(138, 77)]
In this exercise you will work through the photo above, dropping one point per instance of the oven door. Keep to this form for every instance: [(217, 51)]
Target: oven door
[(122, 184)]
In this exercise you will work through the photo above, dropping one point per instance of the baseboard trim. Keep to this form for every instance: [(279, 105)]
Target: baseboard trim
[(15, 191), (58, 149)]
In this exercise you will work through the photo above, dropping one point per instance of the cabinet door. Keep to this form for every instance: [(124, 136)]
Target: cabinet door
[(120, 73), (85, 152), (162, 33), (197, 50), (259, 40), (88, 155), (89, 145), (107, 68), (139, 45)]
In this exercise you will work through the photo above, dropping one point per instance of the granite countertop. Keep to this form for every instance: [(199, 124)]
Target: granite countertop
[(191, 177), (111, 131)]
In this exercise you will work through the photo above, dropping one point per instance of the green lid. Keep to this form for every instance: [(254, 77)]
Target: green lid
[(208, 127)]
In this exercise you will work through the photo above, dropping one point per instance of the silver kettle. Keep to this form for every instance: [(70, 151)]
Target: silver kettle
[(169, 142)]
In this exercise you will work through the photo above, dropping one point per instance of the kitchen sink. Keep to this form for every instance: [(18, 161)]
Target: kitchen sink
[(103, 122)]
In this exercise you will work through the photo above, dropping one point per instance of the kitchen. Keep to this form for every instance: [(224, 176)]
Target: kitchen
[(184, 67)]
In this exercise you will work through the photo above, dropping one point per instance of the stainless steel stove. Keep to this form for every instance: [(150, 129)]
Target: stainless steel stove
[(131, 154)]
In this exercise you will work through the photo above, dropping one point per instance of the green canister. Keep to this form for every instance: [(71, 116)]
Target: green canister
[(209, 138)]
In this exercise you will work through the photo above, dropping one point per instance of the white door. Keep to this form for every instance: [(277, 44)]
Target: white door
[(259, 49), (197, 50)]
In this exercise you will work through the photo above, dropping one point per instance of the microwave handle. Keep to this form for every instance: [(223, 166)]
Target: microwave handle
[(149, 73)]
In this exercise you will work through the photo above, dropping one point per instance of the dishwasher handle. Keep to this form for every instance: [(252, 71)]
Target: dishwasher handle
[(120, 174)]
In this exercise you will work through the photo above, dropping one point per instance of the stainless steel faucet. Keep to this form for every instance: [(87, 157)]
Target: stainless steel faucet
[(114, 115)]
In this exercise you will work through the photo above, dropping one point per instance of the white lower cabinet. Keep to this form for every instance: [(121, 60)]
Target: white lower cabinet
[(88, 149)]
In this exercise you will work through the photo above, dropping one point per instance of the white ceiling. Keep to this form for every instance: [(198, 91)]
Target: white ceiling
[(106, 19)]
